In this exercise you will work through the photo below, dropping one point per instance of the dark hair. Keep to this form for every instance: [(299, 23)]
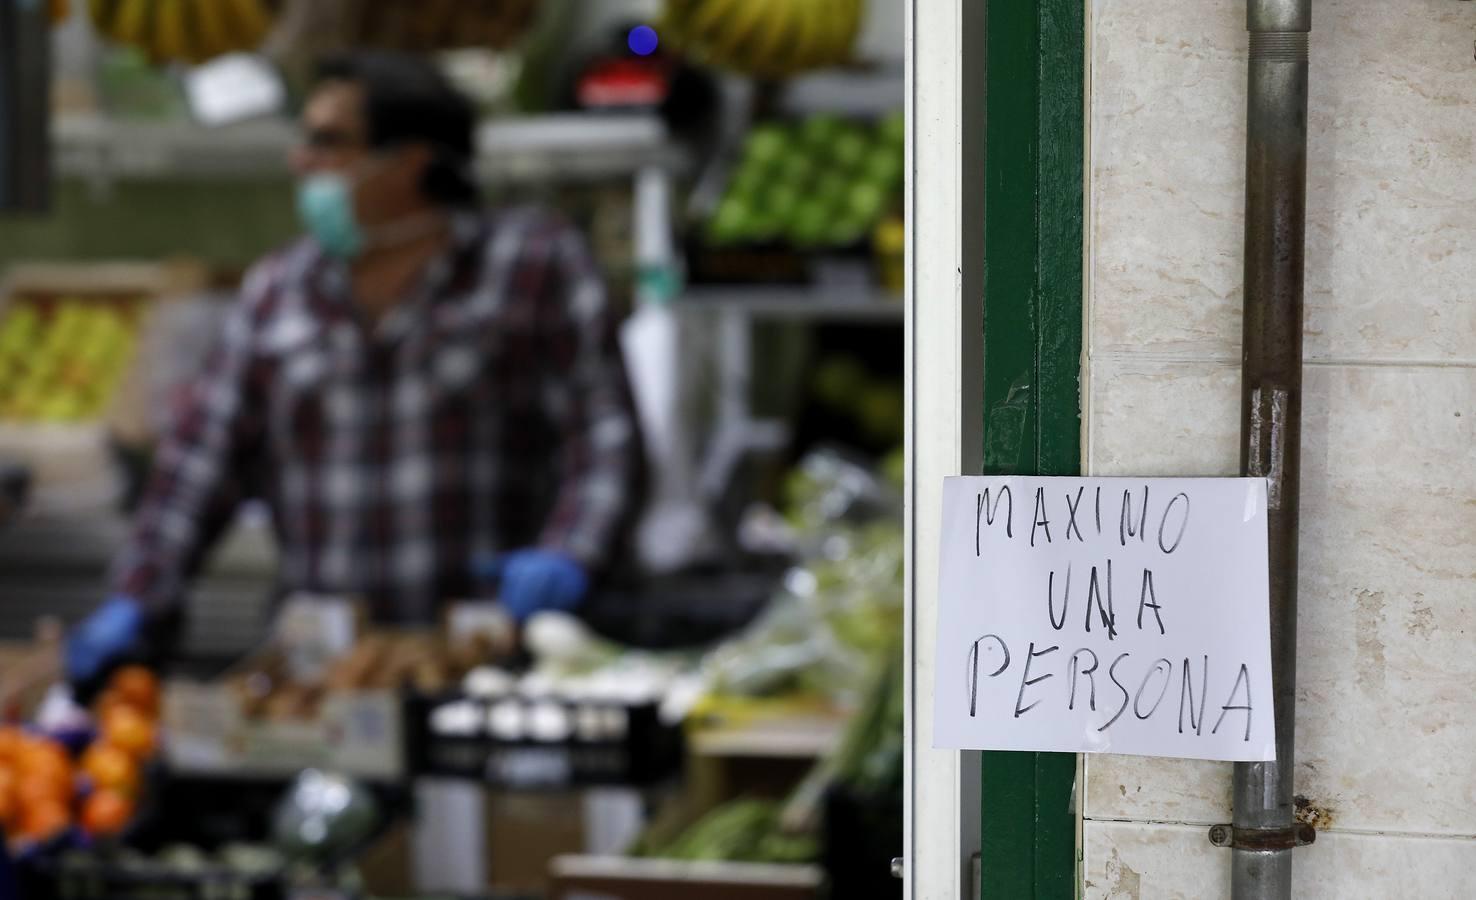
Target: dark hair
[(408, 100)]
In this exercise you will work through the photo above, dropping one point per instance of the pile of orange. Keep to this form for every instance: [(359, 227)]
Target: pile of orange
[(43, 791)]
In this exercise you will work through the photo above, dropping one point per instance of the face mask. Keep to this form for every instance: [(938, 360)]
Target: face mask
[(325, 204)]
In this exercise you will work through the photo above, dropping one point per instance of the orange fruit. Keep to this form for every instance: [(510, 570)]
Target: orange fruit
[(9, 799), (36, 751), (129, 730), (139, 687), (11, 740), (110, 768), (44, 770), (34, 790), (106, 702), (106, 813), (44, 819)]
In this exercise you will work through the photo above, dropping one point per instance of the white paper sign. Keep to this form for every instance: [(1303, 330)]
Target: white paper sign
[(1105, 615)]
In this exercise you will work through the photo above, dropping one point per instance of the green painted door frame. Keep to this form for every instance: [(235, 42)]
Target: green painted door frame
[(1033, 149)]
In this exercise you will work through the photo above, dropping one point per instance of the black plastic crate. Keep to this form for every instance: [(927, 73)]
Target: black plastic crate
[(102, 878), (644, 750), (861, 835)]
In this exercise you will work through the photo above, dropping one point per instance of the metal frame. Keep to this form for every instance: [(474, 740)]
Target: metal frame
[(944, 365), (1033, 190), (996, 103)]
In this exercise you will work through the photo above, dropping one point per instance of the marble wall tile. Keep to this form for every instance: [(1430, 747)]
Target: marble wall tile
[(1152, 418), (1132, 861), (1388, 586), (1387, 617), (1167, 169), (1391, 205)]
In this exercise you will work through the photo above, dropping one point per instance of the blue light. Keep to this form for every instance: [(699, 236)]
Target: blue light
[(642, 40)]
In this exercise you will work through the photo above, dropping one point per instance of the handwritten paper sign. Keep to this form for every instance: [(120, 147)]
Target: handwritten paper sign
[(1105, 615)]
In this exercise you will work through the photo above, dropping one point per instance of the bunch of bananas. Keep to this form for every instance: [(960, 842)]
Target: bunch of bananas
[(765, 38), (420, 26), (63, 363), (183, 30)]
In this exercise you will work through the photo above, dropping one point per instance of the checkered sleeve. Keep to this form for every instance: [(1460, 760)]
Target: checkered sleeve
[(601, 463), (196, 481)]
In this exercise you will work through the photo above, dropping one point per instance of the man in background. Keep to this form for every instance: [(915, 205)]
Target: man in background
[(417, 389)]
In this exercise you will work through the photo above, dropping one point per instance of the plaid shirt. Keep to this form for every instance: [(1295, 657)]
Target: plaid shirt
[(489, 411)]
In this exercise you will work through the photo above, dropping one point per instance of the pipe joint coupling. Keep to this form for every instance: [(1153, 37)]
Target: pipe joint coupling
[(1279, 46)]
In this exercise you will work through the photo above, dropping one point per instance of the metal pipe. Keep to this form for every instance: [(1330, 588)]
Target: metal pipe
[(1271, 405)]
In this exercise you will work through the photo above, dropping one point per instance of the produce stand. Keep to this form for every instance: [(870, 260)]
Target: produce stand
[(56, 412), (762, 248)]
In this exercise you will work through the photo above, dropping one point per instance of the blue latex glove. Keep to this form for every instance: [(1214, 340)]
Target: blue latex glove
[(533, 581), (103, 637)]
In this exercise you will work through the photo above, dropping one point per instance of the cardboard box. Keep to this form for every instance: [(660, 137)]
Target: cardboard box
[(213, 728), (358, 733)]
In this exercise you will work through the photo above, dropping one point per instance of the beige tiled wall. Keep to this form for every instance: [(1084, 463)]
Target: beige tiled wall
[(1386, 713)]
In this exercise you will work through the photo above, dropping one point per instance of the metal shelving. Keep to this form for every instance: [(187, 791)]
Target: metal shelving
[(574, 146), (821, 304)]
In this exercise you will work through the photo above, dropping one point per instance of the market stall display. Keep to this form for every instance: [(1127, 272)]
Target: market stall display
[(62, 361), (824, 184), (318, 826), (273, 714), (79, 775), (770, 664), (183, 30), (823, 181), (69, 339), (766, 38)]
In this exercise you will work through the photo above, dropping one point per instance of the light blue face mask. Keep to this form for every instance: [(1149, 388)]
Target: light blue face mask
[(325, 204)]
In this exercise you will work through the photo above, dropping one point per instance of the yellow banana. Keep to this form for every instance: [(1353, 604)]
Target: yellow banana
[(132, 22), (832, 37), (211, 33), (763, 54), (102, 13), (249, 22), (851, 17), (807, 35), (747, 28), (712, 19), (171, 41), (676, 19)]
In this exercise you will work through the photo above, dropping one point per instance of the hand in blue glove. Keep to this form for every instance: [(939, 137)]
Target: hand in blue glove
[(533, 581), (103, 638)]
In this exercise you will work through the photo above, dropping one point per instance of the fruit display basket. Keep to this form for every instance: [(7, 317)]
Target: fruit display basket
[(71, 779), (529, 743), (68, 337), (800, 193)]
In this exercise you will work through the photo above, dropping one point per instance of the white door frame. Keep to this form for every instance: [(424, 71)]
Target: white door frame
[(944, 365)]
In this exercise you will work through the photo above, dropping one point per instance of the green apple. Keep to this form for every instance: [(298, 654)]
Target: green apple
[(849, 148), (765, 144)]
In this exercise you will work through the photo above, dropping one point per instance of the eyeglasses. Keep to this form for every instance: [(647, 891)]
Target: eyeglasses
[(330, 139)]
